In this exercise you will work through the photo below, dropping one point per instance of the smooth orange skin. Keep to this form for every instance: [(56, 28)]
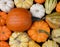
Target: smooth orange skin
[(35, 35), (39, 1), (4, 33), (19, 19), (58, 7), (3, 17), (4, 44)]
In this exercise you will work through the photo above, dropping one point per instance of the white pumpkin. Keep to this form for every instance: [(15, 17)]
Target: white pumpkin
[(23, 3), (37, 10), (6, 5)]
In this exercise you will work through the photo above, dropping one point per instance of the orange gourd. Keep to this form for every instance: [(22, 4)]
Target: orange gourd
[(4, 33), (3, 17), (39, 31), (58, 7), (39, 1), (19, 19), (4, 44)]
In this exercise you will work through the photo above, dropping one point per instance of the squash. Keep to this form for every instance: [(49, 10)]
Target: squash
[(39, 1), (3, 17), (6, 5), (4, 44), (58, 7), (50, 43), (39, 31), (23, 3), (21, 39), (19, 19), (37, 10), (56, 35), (4, 33), (53, 20)]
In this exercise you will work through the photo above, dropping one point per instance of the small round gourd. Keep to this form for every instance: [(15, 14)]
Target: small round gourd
[(39, 31), (50, 43), (56, 35)]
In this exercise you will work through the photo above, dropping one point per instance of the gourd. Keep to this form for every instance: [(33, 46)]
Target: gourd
[(50, 43), (4, 33), (23, 3), (38, 32), (19, 19), (39, 1), (53, 20), (6, 5), (4, 44), (56, 35), (50, 5), (3, 17), (37, 10), (58, 7)]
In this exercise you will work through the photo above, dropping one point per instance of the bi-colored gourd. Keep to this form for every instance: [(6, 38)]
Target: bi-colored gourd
[(50, 43), (39, 31), (19, 19), (39, 1), (37, 10), (4, 33), (56, 35), (4, 44), (58, 7), (3, 17), (6, 5), (23, 3)]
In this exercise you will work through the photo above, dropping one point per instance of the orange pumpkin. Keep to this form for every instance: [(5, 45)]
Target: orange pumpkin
[(4, 33), (39, 31), (39, 1), (58, 7), (19, 19), (4, 44), (3, 17)]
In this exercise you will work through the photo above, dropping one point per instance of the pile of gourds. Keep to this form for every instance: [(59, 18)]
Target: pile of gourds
[(19, 29)]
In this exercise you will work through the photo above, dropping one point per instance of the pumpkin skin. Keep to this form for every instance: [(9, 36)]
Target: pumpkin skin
[(58, 7), (4, 44), (19, 19), (35, 32), (23, 3), (3, 17), (4, 33)]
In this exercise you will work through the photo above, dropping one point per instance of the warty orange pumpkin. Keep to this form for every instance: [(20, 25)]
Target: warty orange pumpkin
[(4, 33), (19, 19), (39, 31)]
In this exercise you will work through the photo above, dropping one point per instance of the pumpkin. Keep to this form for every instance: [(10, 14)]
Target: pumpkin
[(33, 44), (39, 10), (39, 1), (58, 7), (56, 35), (6, 5), (3, 17), (53, 20), (19, 19), (4, 44), (50, 43), (39, 31), (19, 39), (4, 33), (23, 3)]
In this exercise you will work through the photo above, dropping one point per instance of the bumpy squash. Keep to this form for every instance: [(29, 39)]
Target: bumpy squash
[(39, 31), (53, 20), (23, 3)]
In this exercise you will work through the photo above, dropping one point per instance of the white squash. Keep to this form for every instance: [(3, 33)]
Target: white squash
[(23, 3), (6, 5), (37, 10)]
